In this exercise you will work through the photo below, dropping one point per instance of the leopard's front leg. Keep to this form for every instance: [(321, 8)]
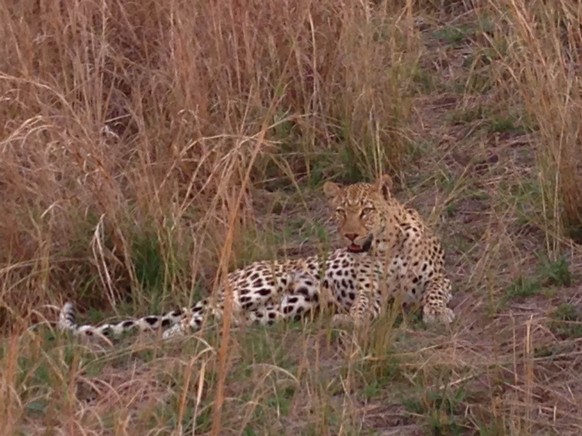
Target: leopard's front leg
[(366, 306), (435, 299)]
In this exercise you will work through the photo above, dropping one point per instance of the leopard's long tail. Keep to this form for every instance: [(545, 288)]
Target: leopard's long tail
[(68, 322)]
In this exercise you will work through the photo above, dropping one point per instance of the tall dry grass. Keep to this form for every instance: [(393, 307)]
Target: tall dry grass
[(131, 135), (132, 124), (541, 65)]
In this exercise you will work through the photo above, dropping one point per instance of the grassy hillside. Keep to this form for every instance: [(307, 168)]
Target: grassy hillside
[(147, 148)]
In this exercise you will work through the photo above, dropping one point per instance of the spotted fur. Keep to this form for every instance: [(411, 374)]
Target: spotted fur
[(406, 260), (390, 255)]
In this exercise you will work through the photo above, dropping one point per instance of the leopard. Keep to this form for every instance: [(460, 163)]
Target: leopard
[(389, 255)]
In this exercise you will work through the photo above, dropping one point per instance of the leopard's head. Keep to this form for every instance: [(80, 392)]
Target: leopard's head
[(360, 211)]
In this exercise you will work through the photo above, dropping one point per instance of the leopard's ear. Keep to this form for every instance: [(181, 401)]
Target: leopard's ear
[(331, 190), (384, 185)]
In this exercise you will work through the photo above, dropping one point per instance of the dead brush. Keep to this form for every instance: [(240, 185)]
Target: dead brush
[(543, 63), (119, 122), (134, 136), (131, 136)]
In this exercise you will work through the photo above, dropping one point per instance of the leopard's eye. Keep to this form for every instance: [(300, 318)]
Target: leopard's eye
[(367, 211), (340, 211)]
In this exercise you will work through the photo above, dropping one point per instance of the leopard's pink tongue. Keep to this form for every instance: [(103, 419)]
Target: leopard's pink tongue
[(355, 248)]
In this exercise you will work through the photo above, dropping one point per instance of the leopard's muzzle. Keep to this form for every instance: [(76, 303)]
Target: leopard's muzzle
[(361, 248)]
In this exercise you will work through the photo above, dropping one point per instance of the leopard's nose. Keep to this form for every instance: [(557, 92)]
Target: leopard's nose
[(351, 236)]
